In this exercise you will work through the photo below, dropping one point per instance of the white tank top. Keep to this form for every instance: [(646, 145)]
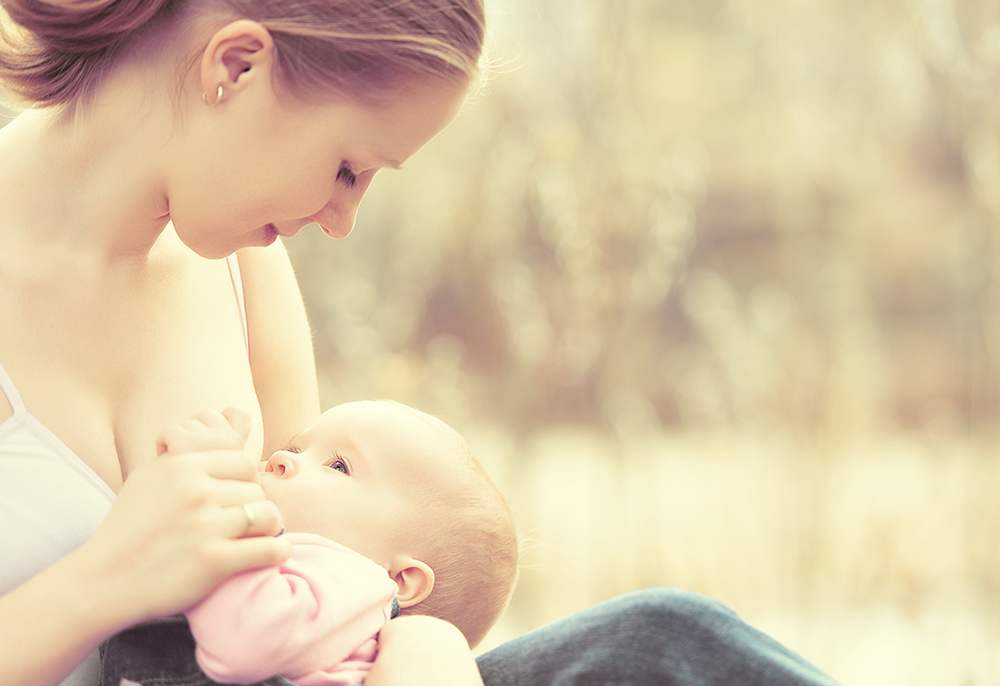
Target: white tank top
[(51, 502)]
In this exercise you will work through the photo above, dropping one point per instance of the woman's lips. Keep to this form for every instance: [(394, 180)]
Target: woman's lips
[(288, 232), (270, 234), (273, 232)]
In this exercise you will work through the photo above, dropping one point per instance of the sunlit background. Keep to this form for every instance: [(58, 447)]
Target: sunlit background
[(711, 288)]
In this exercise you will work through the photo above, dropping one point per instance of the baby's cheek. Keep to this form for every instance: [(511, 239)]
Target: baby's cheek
[(290, 510)]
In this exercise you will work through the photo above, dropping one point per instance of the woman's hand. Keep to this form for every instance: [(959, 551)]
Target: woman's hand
[(417, 650), (179, 527)]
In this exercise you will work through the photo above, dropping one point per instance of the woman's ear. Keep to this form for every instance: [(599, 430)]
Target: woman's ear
[(415, 580), (235, 55)]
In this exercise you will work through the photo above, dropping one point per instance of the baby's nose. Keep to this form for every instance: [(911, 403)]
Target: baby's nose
[(281, 463)]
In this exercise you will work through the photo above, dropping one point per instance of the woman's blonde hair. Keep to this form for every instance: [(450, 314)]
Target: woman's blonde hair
[(55, 51)]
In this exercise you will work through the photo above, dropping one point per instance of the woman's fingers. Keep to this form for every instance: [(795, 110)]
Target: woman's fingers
[(220, 464), (247, 553), (258, 518), (226, 492), (232, 486), (182, 524)]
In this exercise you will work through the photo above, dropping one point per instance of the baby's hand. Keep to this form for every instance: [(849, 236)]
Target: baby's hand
[(210, 430)]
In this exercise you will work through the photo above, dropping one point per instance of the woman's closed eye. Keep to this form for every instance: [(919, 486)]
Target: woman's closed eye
[(346, 176)]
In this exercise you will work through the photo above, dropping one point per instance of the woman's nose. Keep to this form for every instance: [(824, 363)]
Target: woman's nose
[(282, 463), (337, 217), (337, 221)]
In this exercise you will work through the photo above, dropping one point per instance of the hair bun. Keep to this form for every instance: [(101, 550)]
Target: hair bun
[(79, 27), (63, 46)]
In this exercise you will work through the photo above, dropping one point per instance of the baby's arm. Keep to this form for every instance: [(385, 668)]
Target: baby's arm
[(418, 650), (303, 616), (210, 430)]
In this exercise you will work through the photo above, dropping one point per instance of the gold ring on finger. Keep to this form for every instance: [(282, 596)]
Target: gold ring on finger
[(251, 517)]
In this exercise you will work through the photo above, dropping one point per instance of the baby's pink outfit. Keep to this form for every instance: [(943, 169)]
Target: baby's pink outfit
[(313, 619)]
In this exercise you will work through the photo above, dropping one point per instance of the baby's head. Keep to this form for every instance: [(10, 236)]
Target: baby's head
[(403, 488)]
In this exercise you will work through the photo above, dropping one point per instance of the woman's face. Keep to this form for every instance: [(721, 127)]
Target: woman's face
[(260, 166)]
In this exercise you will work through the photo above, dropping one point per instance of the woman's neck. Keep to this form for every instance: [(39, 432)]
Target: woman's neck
[(88, 182)]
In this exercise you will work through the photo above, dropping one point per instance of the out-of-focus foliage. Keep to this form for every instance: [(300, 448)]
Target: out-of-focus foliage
[(691, 214), (711, 285)]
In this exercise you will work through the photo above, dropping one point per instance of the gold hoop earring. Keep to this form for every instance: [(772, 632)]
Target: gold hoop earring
[(218, 97)]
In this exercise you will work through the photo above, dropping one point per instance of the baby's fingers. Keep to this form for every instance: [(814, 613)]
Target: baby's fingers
[(239, 420), (207, 430), (213, 419)]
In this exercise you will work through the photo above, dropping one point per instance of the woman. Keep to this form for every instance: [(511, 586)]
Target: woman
[(168, 134)]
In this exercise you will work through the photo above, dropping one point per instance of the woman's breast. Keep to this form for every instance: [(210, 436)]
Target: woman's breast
[(198, 361), (107, 370)]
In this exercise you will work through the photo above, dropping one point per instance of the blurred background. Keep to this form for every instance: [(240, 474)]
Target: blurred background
[(711, 288)]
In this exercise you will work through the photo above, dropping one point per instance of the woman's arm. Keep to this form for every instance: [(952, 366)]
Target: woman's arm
[(413, 650), (417, 650), (170, 537), (281, 352), (52, 622)]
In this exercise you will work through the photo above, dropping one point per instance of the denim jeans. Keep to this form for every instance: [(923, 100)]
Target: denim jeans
[(158, 653), (661, 636), (658, 636)]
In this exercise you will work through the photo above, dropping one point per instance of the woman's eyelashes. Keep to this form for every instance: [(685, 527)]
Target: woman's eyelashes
[(346, 176)]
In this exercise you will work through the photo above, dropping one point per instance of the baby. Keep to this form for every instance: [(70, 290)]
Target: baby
[(387, 511)]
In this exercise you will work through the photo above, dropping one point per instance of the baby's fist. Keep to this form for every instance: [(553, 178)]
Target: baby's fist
[(209, 430)]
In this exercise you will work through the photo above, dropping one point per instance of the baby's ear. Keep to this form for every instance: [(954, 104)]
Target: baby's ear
[(414, 578)]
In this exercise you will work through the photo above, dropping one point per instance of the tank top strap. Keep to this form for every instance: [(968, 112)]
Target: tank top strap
[(234, 273), (8, 389)]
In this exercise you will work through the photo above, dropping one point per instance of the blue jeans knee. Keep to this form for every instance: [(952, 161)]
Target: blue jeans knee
[(664, 636)]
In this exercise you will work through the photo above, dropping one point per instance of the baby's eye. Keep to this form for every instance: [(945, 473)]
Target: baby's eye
[(339, 465), (346, 175)]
